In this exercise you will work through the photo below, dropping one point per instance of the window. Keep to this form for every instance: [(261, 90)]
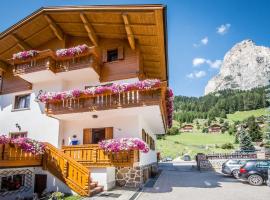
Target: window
[(22, 102), (112, 55), (10, 183), (263, 164), (18, 135)]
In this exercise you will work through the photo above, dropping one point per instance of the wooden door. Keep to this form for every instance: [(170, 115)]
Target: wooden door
[(40, 183), (87, 136), (109, 133)]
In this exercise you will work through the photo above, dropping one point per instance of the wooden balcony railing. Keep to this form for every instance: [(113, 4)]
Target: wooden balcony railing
[(105, 101), (93, 156), (13, 156), (74, 174), (47, 60)]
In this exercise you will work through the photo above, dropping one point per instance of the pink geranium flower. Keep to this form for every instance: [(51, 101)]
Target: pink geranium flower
[(123, 144)]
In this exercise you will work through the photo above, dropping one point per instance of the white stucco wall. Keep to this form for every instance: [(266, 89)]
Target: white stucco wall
[(123, 126), (32, 121), (104, 177), (151, 156)]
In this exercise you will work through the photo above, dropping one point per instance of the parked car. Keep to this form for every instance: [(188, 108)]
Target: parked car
[(167, 159), (255, 171), (231, 167)]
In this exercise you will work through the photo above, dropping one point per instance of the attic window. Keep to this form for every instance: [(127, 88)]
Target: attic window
[(112, 55)]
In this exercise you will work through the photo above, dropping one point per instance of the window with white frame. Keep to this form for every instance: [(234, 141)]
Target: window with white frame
[(22, 102)]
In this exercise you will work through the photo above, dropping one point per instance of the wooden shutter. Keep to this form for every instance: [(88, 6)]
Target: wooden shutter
[(120, 53), (104, 55), (109, 133), (87, 136), (143, 135)]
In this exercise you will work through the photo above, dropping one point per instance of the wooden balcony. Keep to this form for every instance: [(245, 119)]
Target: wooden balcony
[(12, 156), (93, 156), (46, 65), (129, 99)]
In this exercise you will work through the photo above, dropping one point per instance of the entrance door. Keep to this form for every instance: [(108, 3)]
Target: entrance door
[(98, 134), (40, 183), (95, 135)]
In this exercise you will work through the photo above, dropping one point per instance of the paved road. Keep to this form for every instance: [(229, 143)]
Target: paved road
[(184, 182)]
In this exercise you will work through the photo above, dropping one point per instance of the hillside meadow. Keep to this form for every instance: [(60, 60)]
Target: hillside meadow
[(198, 142)]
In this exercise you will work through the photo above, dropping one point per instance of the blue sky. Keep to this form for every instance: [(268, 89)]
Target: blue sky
[(200, 32)]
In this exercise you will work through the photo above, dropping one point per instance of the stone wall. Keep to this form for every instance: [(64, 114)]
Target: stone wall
[(134, 177)]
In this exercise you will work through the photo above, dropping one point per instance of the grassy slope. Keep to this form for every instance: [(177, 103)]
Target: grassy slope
[(241, 115), (196, 142), (192, 143)]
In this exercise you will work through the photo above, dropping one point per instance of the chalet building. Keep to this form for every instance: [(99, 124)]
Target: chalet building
[(187, 128), (86, 74), (214, 128)]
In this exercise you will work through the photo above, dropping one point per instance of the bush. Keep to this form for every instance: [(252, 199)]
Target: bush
[(205, 130), (173, 131), (227, 146)]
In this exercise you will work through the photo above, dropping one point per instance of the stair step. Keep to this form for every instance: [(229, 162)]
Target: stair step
[(96, 190), (93, 185)]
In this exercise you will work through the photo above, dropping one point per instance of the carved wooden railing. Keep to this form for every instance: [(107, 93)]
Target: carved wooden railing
[(13, 156), (105, 101), (47, 60), (93, 156), (74, 174)]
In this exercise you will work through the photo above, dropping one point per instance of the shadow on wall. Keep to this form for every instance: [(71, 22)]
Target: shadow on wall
[(187, 176), (6, 101)]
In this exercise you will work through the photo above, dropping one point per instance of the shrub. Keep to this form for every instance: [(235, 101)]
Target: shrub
[(173, 131), (227, 146)]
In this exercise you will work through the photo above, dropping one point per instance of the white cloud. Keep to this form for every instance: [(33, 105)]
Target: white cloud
[(214, 64), (196, 74), (200, 61), (203, 41), (223, 29)]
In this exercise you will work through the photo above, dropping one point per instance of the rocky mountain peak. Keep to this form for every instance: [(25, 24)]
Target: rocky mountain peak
[(244, 67)]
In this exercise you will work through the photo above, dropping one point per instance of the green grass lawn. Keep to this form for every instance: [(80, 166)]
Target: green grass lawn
[(241, 115), (193, 143)]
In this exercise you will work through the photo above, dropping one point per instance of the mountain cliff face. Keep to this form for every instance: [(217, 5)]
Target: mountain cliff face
[(244, 67)]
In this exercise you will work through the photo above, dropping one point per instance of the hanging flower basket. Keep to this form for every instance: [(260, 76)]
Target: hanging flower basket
[(73, 51), (26, 144), (123, 144), (23, 55)]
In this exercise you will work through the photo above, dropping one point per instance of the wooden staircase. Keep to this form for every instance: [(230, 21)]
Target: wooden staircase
[(72, 173)]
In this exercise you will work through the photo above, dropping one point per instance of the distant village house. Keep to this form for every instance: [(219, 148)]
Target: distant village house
[(187, 128), (215, 128)]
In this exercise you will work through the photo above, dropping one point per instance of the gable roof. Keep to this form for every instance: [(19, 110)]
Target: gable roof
[(145, 24)]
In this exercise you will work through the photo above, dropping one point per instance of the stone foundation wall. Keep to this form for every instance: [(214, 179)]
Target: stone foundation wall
[(134, 177)]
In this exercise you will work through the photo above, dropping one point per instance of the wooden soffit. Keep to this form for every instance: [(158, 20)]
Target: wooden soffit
[(143, 26)]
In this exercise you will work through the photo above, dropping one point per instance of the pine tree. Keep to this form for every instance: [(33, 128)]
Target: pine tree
[(254, 129), (245, 140)]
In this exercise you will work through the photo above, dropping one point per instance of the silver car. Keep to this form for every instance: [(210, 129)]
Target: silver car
[(231, 167)]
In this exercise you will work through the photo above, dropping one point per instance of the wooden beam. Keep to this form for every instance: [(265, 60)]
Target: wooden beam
[(161, 40), (55, 28), (23, 45), (89, 29), (130, 34), (3, 67)]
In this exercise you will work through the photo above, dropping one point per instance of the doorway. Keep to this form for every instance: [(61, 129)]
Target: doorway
[(95, 135), (98, 134), (40, 183)]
